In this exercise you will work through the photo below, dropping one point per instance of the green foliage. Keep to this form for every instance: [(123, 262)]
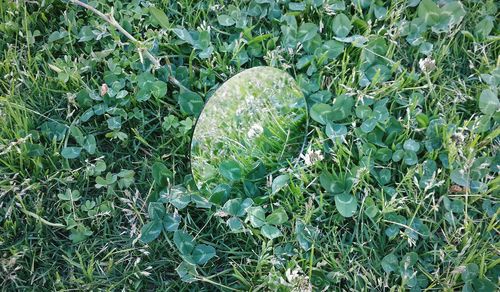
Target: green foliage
[(96, 191)]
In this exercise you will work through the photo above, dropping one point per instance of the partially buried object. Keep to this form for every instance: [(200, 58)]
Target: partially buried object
[(252, 126)]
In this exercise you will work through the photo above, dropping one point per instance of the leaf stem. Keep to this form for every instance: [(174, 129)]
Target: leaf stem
[(109, 18)]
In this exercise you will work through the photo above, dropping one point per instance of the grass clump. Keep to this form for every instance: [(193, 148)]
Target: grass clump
[(397, 187)]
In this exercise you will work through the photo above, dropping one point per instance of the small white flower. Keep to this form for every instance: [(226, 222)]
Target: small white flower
[(312, 157), (427, 65), (255, 131)]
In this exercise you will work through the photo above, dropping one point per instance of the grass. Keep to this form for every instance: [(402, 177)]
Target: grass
[(79, 213)]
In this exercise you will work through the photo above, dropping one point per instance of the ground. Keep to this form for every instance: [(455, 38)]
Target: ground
[(396, 188)]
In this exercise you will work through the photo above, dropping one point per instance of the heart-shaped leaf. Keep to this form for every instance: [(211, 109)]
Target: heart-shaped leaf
[(488, 102), (156, 210), (334, 131), (202, 253), (321, 113), (151, 230), (191, 103), (346, 204), (341, 25), (71, 152), (277, 217), (256, 216), (235, 224), (341, 107), (390, 263), (230, 169), (184, 242), (270, 232), (225, 20), (279, 182), (171, 222)]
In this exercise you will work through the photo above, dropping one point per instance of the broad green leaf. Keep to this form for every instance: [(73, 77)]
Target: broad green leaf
[(171, 222), (69, 195), (334, 184), (225, 20), (187, 272), (191, 103), (371, 209), (488, 102), (484, 27), (256, 216), (277, 217), (160, 16), (307, 31), (220, 194), (270, 232), (159, 89), (230, 169), (429, 12), (369, 125), (411, 145), (306, 234), (451, 14), (126, 178), (201, 202), (279, 183), (363, 112), (346, 204), (161, 174), (202, 253), (87, 115), (470, 272), (34, 150), (109, 180), (380, 11), (409, 259), (90, 144), (390, 263), (383, 154), (232, 207), (332, 48), (150, 231), (321, 113), (71, 152), (378, 73), (156, 210), (297, 6), (398, 155), (384, 176), (114, 123), (410, 157), (460, 177), (235, 224), (54, 130), (341, 107), (144, 93), (184, 35), (483, 285), (77, 134), (334, 131), (184, 242), (177, 196), (341, 25), (80, 234)]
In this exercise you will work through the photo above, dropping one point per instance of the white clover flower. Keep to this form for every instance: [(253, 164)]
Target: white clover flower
[(298, 280), (312, 157), (427, 65), (255, 131)]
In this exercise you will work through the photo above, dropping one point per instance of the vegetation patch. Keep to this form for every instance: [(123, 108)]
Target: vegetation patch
[(396, 187)]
